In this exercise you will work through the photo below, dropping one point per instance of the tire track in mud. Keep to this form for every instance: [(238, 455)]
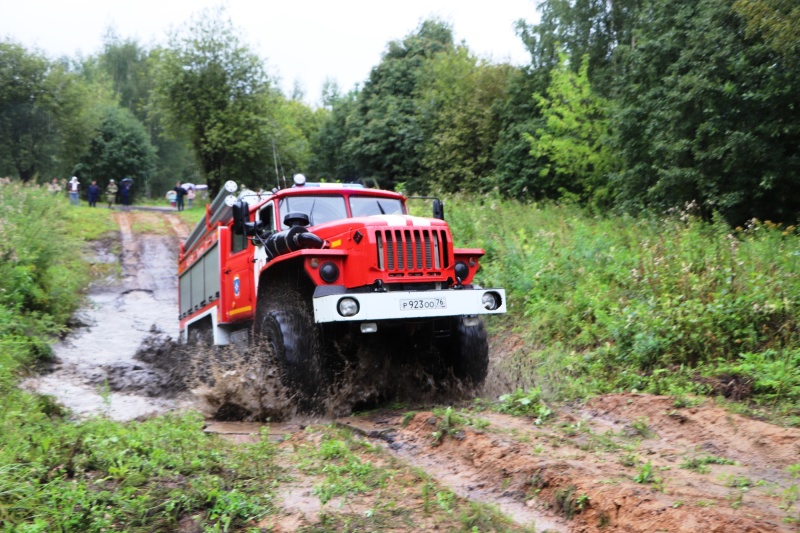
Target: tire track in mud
[(578, 471), (95, 369)]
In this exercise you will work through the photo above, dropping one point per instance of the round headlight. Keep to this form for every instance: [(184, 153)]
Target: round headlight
[(490, 301), (462, 270), (329, 272), (348, 307)]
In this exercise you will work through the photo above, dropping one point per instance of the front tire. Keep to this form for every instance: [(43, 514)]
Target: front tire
[(285, 326), (466, 351)]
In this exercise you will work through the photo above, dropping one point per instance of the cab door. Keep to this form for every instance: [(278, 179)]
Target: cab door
[(237, 277)]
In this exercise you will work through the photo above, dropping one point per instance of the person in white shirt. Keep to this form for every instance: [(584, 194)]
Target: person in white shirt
[(74, 188)]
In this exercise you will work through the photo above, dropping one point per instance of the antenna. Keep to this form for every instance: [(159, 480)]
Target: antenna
[(275, 160)]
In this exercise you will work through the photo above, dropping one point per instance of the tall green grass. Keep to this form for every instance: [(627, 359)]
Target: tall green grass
[(656, 304)]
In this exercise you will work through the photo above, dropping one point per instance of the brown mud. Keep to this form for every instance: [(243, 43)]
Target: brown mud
[(621, 462)]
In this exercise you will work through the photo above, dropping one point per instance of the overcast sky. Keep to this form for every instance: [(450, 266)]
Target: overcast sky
[(303, 41)]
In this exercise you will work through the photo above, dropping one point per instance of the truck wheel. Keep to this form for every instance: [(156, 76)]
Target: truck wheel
[(200, 334), (467, 351), (288, 329)]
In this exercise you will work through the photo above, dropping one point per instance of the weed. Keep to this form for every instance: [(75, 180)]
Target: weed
[(482, 517), (568, 504), (735, 481), (698, 464), (521, 403), (480, 423), (789, 497), (446, 500), (641, 427), (449, 423), (625, 303), (736, 498), (681, 399), (645, 474)]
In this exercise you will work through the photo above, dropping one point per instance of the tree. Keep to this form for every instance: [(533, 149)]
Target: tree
[(120, 148), (127, 64), (593, 28), (217, 91), (459, 99), (43, 113), (777, 20), (328, 157), (708, 114), (385, 139), (573, 141), (515, 171)]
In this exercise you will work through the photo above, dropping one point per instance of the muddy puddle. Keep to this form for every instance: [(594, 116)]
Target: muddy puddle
[(96, 369)]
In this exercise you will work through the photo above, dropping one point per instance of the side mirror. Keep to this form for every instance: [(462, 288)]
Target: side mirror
[(438, 209), (241, 216)]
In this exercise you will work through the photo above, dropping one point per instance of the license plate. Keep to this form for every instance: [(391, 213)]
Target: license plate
[(423, 304)]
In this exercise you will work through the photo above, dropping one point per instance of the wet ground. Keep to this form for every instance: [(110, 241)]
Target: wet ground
[(622, 462), (96, 369)]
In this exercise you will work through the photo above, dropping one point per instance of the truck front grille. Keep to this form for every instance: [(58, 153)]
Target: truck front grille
[(412, 252)]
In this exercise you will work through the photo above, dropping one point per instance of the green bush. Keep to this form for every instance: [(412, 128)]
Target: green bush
[(619, 300)]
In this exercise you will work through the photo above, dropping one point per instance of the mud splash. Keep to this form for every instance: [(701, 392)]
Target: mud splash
[(244, 382)]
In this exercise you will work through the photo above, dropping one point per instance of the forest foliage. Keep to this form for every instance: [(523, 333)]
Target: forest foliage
[(627, 106)]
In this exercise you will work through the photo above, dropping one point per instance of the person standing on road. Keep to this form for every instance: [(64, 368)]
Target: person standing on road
[(180, 192), (125, 193), (74, 188), (93, 192), (111, 193), (190, 197)]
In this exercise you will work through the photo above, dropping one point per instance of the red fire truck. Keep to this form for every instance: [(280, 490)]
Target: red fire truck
[(300, 269)]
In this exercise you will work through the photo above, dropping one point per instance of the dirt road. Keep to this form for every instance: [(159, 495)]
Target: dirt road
[(623, 462), (96, 370)]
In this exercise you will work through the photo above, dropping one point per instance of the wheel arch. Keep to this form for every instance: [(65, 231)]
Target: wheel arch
[(288, 273)]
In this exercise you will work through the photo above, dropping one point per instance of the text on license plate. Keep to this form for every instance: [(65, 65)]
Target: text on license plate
[(418, 304)]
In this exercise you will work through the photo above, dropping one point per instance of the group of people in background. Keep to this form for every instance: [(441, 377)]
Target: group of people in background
[(93, 192), (177, 194), (121, 193)]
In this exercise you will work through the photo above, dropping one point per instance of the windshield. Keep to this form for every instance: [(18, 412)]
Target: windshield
[(320, 209), (364, 206)]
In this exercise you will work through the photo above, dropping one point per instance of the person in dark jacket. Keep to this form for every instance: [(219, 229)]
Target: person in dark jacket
[(180, 192), (93, 193), (125, 193)]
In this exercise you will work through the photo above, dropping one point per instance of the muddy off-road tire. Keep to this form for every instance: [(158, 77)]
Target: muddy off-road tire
[(466, 351), (285, 326)]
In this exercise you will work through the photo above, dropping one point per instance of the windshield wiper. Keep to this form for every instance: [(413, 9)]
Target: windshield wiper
[(311, 211)]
